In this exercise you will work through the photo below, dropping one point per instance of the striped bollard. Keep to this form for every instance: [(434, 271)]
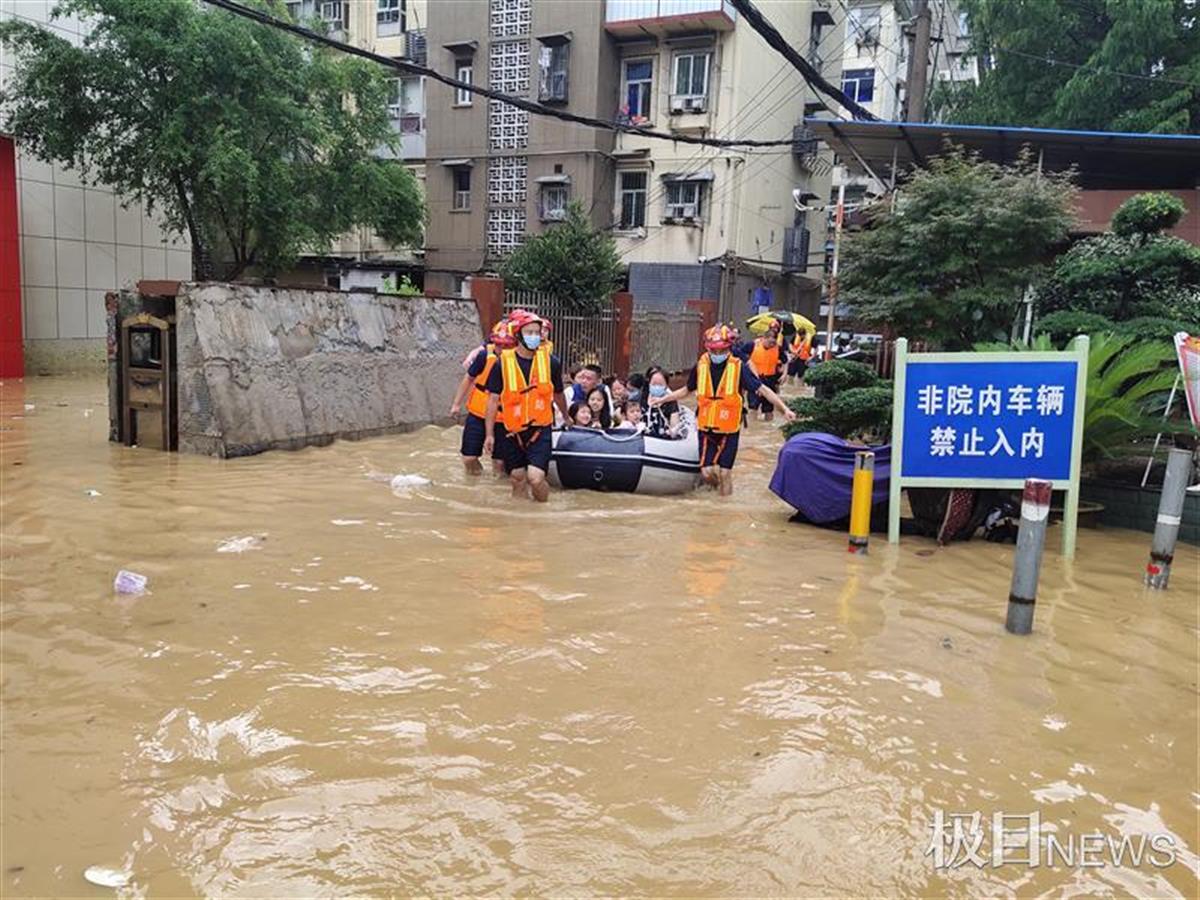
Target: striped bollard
[(1170, 513), (860, 501), (1027, 562)]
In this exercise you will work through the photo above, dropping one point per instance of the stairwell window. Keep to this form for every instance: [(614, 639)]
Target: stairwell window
[(464, 70), (683, 200), (336, 14), (632, 196), (859, 84), (462, 189), (553, 64), (690, 82), (389, 17)]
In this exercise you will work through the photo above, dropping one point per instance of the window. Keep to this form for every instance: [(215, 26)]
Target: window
[(462, 188), (395, 95), (464, 70), (683, 199), (293, 8), (964, 25), (632, 188), (859, 84), (639, 88), (691, 82), (335, 14), (554, 202), (553, 62), (862, 25), (406, 104), (389, 17)]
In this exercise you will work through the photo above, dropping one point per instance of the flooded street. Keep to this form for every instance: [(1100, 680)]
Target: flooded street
[(332, 689)]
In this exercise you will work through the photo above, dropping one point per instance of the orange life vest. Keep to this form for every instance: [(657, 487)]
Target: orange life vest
[(719, 407), (478, 401), (526, 404), (765, 359), (802, 347)]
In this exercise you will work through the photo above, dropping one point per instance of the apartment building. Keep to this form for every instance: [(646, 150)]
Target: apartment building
[(64, 245), (691, 222), (396, 29)]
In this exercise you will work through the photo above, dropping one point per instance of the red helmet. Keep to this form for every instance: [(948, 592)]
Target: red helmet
[(720, 337), (502, 336), (519, 318)]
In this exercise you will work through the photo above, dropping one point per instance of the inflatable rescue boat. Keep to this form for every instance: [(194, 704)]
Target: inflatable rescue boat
[(628, 461)]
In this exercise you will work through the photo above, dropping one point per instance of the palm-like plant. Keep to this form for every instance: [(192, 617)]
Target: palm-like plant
[(1127, 381)]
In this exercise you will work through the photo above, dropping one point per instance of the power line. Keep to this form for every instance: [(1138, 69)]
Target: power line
[(1100, 69), (411, 68), (779, 43)]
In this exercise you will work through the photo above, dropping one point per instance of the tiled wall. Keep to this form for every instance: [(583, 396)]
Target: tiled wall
[(77, 242)]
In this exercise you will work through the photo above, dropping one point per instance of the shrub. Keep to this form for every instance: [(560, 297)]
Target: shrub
[(858, 412), (1145, 214), (1155, 327), (840, 374), (1065, 324)]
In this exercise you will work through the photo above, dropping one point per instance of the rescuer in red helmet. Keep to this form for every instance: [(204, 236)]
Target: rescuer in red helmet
[(473, 387)]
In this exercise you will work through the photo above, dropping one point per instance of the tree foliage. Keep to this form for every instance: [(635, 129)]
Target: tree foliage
[(859, 413), (950, 264), (571, 260), (1104, 65), (839, 374), (1149, 213), (254, 144)]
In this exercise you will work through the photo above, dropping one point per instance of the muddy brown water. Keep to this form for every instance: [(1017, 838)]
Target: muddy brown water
[(438, 692)]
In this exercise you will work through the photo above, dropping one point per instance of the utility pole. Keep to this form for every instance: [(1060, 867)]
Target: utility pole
[(918, 63), (832, 295)]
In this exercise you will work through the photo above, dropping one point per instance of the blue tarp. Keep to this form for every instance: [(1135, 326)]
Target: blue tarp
[(815, 474)]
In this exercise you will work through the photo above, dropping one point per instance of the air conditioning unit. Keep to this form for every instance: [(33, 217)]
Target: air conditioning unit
[(682, 211), (868, 38), (555, 215), (687, 103)]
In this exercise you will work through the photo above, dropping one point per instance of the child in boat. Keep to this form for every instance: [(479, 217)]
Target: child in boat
[(632, 417), (580, 415), (597, 401)]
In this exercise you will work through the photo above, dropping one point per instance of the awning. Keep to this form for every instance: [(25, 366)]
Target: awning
[(462, 46), (701, 175), (1110, 160), (458, 163), (558, 37), (553, 179)]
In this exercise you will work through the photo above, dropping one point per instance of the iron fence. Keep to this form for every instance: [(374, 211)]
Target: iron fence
[(667, 339), (579, 340)]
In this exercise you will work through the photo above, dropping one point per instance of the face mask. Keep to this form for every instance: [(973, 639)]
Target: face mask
[(658, 390), (718, 357), (532, 341)]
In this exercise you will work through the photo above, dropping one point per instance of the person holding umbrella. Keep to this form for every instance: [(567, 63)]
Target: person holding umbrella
[(719, 380)]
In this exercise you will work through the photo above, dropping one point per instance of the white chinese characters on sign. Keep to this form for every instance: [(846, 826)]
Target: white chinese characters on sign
[(961, 400)]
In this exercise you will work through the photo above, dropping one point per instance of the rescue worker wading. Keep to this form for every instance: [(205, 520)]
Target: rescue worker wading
[(524, 387), (767, 360), (474, 387), (718, 381), (801, 353)]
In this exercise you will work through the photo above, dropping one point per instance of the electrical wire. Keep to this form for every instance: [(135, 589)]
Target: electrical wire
[(411, 68), (1099, 69)]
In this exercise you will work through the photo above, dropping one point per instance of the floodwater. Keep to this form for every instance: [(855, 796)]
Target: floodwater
[(438, 692)]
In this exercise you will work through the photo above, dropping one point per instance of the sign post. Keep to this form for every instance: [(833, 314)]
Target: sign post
[(989, 420)]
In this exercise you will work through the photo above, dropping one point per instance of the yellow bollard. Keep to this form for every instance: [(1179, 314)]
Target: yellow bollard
[(860, 501)]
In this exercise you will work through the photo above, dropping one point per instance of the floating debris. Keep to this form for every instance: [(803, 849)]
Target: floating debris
[(107, 876), (242, 544), (92, 492), (128, 582), (402, 483)]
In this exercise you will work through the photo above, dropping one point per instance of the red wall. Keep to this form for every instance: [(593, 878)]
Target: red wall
[(1095, 209), (12, 356)]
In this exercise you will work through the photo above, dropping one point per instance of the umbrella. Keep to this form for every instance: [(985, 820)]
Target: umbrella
[(791, 322)]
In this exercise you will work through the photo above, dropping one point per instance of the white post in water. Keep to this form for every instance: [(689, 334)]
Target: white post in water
[(1170, 513), (1027, 564)]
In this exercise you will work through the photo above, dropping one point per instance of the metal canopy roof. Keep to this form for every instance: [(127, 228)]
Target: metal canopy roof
[(1109, 160)]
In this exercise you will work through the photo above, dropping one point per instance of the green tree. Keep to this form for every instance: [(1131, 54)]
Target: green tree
[(252, 143), (1138, 272), (950, 264), (571, 260), (1104, 65)]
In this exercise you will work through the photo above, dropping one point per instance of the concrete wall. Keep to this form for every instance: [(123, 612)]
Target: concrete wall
[(77, 242), (276, 368)]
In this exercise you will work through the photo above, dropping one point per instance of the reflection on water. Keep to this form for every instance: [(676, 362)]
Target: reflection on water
[(331, 688)]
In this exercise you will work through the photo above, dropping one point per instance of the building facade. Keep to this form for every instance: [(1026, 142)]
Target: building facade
[(691, 222), (396, 29), (74, 243)]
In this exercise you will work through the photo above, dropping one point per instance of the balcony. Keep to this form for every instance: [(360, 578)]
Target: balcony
[(662, 18)]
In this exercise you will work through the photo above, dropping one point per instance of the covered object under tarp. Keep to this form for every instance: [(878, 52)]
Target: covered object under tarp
[(815, 474)]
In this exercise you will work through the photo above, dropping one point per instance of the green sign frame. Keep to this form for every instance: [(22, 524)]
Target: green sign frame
[(1078, 353)]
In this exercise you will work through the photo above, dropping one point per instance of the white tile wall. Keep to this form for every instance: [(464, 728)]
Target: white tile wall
[(72, 313), (77, 242)]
